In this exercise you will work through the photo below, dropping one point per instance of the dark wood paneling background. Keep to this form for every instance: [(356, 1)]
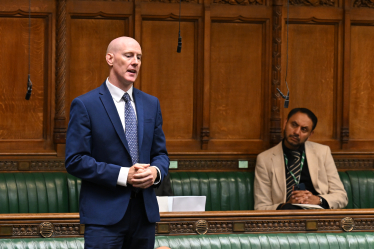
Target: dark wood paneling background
[(218, 96)]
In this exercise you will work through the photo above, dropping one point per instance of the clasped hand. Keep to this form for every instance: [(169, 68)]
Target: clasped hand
[(303, 197), (141, 175)]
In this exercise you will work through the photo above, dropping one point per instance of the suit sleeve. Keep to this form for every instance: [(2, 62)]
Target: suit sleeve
[(159, 155), (78, 160), (263, 186), (336, 196)]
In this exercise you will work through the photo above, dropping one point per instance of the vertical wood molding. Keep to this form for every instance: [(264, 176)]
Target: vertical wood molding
[(138, 31), (275, 121), (137, 20), (59, 133), (347, 75), (204, 133)]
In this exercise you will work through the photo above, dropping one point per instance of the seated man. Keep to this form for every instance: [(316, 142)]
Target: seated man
[(297, 171)]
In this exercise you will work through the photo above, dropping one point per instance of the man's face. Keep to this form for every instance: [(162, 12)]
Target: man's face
[(297, 130), (126, 61)]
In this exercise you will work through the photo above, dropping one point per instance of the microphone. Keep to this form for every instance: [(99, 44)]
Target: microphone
[(179, 48), (29, 88), (287, 98)]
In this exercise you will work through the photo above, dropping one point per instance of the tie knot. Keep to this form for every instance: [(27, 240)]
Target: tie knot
[(126, 97)]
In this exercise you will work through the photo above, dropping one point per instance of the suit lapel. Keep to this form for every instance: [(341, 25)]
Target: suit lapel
[(312, 160), (279, 168), (107, 100), (140, 115)]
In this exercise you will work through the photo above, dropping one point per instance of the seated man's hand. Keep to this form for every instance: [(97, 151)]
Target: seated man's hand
[(312, 199), (299, 196), (141, 175), (303, 197)]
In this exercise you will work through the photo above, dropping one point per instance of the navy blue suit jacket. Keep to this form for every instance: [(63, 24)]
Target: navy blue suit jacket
[(96, 149)]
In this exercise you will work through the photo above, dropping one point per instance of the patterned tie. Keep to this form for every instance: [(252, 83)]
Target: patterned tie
[(295, 168), (131, 130)]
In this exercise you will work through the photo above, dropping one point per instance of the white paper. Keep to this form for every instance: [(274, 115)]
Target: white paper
[(163, 203), (189, 203), (309, 206), (181, 203)]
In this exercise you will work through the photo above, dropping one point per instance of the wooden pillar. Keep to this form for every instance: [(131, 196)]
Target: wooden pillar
[(275, 120), (59, 132), (344, 137), (205, 132)]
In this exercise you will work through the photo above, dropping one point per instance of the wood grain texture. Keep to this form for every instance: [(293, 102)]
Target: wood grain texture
[(22, 119), (169, 75), (236, 81), (362, 83), (88, 44), (311, 74), (218, 97)]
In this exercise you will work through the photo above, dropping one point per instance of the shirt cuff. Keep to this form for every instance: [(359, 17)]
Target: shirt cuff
[(122, 176), (157, 181)]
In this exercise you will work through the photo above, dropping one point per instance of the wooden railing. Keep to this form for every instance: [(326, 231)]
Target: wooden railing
[(189, 223)]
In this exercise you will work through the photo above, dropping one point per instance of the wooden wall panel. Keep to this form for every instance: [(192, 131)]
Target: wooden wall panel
[(312, 74), (218, 96), (236, 108), (23, 122), (171, 76), (88, 44), (362, 83)]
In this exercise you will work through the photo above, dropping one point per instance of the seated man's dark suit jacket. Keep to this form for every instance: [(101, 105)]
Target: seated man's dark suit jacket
[(96, 149)]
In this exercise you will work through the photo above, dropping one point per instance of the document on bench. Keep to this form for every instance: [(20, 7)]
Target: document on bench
[(309, 206), (181, 203)]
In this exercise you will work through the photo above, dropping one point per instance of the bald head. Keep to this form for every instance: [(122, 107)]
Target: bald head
[(119, 42), (123, 56)]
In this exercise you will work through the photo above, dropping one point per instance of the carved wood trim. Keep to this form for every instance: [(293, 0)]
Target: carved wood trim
[(45, 165), (313, 2), (8, 165), (204, 136), (217, 222), (346, 75), (275, 120), (34, 165), (344, 135), (240, 2), (363, 4), (206, 82), (105, 0), (171, 1), (59, 133), (354, 164), (268, 221), (207, 164)]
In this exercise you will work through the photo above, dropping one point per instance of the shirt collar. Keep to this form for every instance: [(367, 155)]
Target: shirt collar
[(118, 93)]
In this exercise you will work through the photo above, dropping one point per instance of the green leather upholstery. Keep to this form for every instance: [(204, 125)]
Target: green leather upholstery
[(223, 241), (223, 190), (53, 192), (273, 241), (362, 184), (347, 186), (74, 186), (41, 243), (38, 193)]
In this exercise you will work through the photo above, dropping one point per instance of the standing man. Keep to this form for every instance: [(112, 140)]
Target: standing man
[(116, 145), (297, 171)]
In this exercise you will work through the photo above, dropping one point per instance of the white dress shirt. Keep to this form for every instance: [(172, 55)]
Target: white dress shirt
[(117, 95)]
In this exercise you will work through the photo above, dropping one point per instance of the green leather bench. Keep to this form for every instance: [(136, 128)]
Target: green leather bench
[(223, 241), (234, 190), (39, 192), (53, 192)]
